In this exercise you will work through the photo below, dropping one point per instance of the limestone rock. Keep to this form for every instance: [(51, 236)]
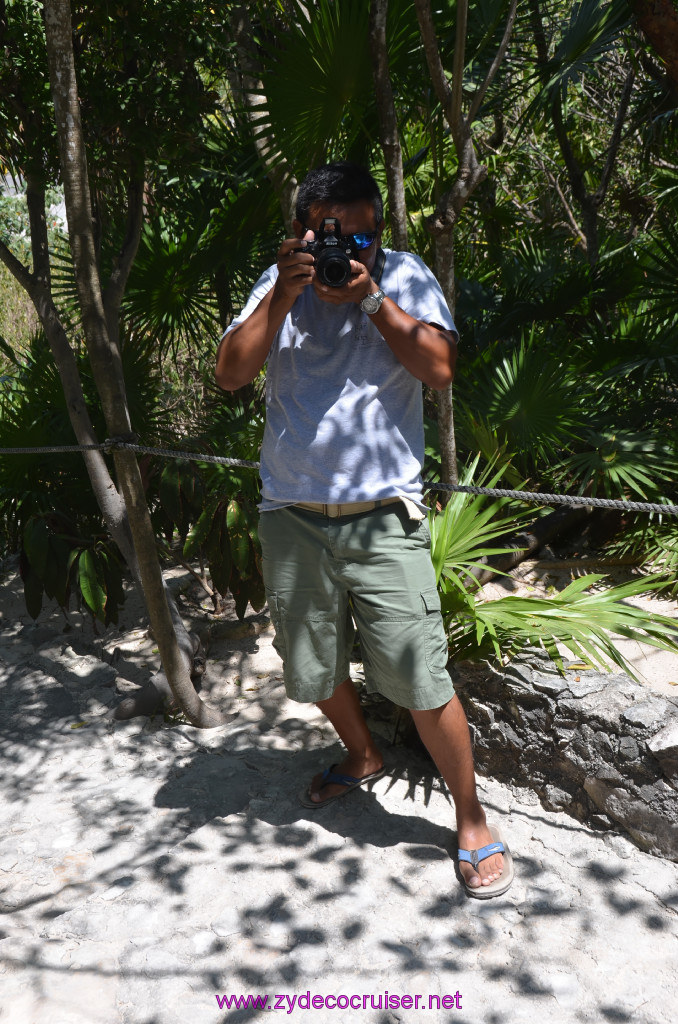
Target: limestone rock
[(664, 746), (586, 743)]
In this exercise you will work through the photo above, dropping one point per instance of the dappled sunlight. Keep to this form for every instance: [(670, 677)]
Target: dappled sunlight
[(160, 864)]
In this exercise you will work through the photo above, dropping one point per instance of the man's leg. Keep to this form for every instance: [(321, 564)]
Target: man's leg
[(445, 733), (363, 757)]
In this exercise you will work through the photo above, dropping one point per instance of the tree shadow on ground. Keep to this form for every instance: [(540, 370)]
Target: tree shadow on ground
[(200, 872)]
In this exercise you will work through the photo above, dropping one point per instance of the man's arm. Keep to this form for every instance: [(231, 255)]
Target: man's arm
[(243, 351), (429, 352)]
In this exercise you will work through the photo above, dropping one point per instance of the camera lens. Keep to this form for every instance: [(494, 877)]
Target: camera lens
[(333, 268)]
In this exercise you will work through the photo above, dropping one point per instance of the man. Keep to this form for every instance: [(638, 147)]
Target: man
[(343, 529)]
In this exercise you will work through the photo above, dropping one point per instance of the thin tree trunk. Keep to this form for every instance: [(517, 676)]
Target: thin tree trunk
[(108, 498), (388, 125), (470, 174), (444, 269), (105, 356)]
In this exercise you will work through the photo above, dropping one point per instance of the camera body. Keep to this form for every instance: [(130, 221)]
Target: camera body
[(332, 253)]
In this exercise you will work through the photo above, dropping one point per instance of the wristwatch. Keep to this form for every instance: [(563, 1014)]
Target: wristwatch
[(371, 304)]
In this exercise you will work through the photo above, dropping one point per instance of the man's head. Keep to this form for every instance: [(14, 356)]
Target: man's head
[(338, 183), (349, 193)]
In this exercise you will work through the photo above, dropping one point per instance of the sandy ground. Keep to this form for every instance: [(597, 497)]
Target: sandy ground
[(150, 871)]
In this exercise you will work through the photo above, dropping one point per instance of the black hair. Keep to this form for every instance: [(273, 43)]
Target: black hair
[(339, 182)]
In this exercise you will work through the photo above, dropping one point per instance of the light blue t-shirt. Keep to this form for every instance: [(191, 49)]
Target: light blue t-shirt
[(344, 419)]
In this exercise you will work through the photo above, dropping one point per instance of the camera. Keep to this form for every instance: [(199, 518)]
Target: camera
[(332, 253)]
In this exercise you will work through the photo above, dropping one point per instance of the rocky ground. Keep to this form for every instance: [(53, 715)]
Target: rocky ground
[(149, 870)]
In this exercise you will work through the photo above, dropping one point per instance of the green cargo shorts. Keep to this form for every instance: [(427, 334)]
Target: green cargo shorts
[(374, 568)]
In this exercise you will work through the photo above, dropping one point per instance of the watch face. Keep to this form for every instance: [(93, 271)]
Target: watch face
[(371, 303)]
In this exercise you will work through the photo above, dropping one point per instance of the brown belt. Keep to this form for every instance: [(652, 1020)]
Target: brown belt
[(352, 508)]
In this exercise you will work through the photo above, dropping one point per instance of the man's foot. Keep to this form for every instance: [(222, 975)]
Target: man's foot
[(490, 875), (356, 772)]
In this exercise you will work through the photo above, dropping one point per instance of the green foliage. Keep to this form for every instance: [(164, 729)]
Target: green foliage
[(572, 384), (623, 462), (461, 533), (47, 507), (170, 295), (33, 414), (140, 87), (655, 548), (532, 399), (27, 134), (17, 315), (661, 258), (316, 82), (56, 561), (226, 533), (212, 507), (583, 40), (584, 623)]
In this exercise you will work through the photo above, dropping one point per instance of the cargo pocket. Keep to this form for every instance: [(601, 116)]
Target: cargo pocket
[(314, 653), (279, 640), (435, 640)]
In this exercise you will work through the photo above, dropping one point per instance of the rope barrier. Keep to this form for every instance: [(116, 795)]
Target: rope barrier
[(531, 497)]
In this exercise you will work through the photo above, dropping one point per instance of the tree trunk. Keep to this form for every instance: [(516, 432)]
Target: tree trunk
[(105, 356), (112, 507), (444, 269), (388, 126), (470, 174), (659, 21)]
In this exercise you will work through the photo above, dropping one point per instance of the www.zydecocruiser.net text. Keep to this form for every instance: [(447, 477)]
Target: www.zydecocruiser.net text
[(344, 1001)]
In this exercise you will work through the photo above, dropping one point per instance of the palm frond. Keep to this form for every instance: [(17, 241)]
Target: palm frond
[(622, 461), (584, 623), (586, 37), (661, 261), (169, 295), (463, 535), (316, 81), (530, 398)]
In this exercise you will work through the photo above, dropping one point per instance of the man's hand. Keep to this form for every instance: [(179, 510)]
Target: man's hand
[(243, 350), (295, 269), (356, 288)]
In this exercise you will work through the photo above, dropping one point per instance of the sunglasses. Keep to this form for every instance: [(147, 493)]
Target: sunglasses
[(364, 239)]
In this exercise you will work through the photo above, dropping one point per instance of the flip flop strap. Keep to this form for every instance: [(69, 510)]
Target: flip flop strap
[(474, 857), (330, 777)]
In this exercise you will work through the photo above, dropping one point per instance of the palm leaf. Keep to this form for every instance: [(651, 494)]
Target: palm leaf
[(169, 295), (463, 535), (530, 398), (317, 80), (661, 259), (584, 623), (586, 38), (622, 461)]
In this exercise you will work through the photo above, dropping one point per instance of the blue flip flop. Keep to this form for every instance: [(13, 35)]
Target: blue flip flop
[(330, 778), (474, 857)]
